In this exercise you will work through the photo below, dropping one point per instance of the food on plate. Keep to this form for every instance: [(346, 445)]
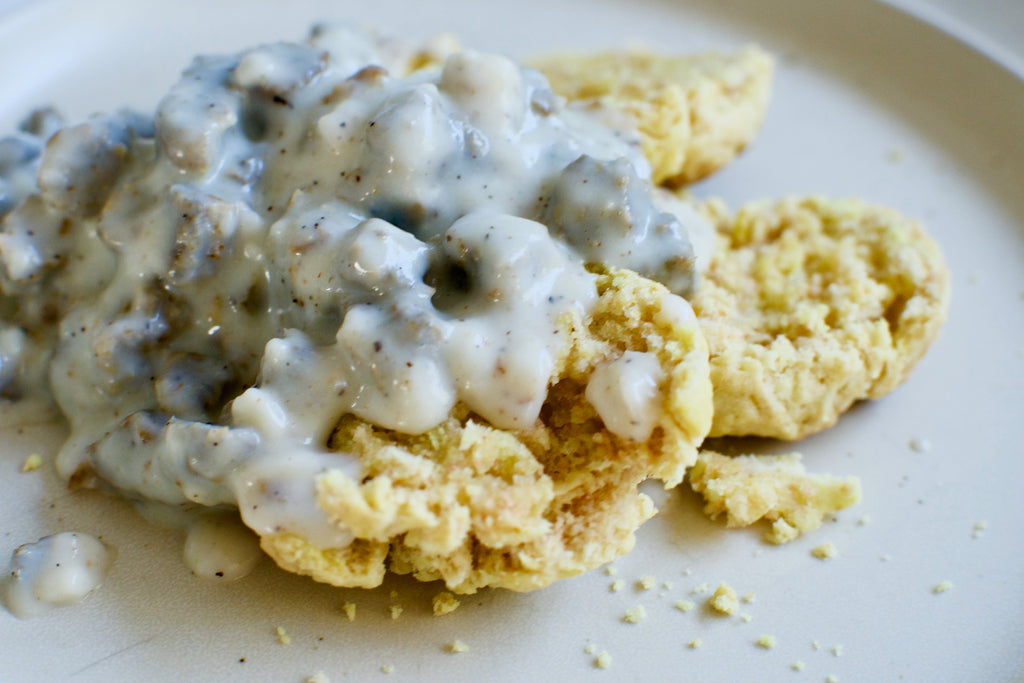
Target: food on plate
[(694, 113), (406, 322), (775, 488), (408, 309), (812, 304), (478, 506)]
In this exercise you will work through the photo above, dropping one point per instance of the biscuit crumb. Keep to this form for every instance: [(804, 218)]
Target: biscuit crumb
[(610, 571), (589, 648), (350, 610), (797, 665), (684, 605), (920, 445), (831, 678), (864, 520), (603, 660), (283, 637), (724, 599), (746, 618), (396, 611), (687, 572), (825, 551), (444, 603), (634, 615), (667, 585), (885, 558), (750, 597), (837, 650), (979, 529), (695, 643), (816, 645), (393, 594), (702, 588), (318, 677), (645, 583), (616, 585), (942, 587), (457, 646), (387, 668), (32, 463), (776, 488), (766, 641)]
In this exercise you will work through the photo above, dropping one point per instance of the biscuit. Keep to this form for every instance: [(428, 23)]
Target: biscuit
[(809, 305), (694, 113), (776, 488), (475, 506)]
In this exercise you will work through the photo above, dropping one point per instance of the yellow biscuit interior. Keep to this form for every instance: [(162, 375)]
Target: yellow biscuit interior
[(475, 506), (775, 488), (694, 113), (812, 304)]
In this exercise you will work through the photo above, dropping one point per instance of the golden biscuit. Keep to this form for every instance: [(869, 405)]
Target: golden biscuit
[(810, 305), (776, 488), (476, 506), (694, 114)]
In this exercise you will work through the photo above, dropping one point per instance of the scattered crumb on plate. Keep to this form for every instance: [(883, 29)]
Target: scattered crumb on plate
[(920, 445), (766, 641), (603, 660), (32, 463), (943, 586), (457, 646), (444, 603), (684, 605), (825, 551), (724, 599), (634, 615)]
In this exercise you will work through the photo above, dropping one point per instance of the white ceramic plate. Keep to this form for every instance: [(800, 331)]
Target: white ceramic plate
[(868, 102)]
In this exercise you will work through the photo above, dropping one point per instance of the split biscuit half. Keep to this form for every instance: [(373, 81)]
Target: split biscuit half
[(476, 506), (694, 113), (810, 305)]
